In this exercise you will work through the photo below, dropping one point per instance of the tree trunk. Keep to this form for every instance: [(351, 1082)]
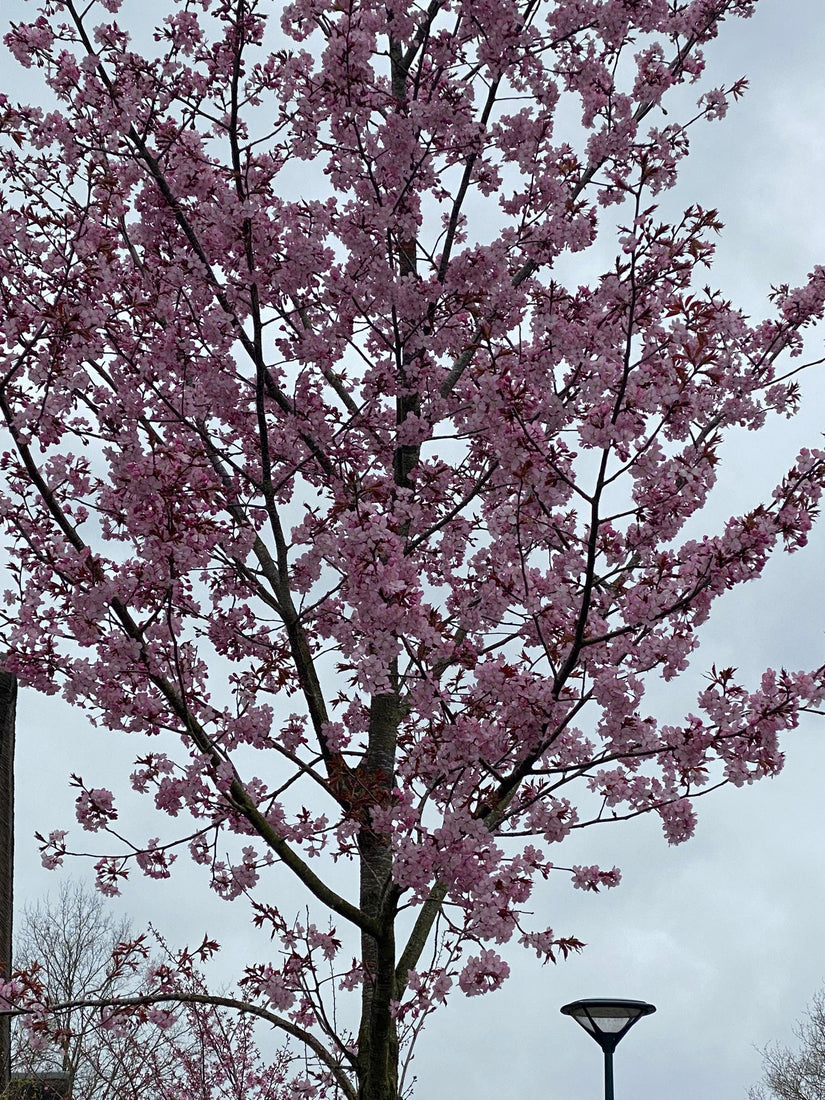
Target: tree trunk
[(378, 1037), (8, 707), (378, 1033)]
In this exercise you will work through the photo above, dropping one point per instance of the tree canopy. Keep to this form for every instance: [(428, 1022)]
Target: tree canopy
[(325, 483)]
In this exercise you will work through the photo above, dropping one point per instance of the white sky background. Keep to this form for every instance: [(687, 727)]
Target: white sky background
[(725, 933)]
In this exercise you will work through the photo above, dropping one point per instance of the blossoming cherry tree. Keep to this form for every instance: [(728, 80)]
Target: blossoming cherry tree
[(326, 482)]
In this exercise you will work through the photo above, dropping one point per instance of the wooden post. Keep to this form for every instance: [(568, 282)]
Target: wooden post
[(8, 707)]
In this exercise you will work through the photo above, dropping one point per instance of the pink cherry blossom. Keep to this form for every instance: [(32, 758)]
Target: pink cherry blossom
[(483, 973)]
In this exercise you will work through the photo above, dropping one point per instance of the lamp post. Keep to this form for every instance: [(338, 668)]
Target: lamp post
[(608, 1021)]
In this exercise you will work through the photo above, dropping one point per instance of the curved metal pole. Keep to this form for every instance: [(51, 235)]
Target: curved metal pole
[(608, 1075)]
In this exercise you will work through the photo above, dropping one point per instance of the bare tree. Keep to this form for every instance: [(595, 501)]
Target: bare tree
[(72, 937), (83, 954), (796, 1074)]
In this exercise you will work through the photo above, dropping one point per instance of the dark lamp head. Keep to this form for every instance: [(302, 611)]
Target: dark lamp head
[(608, 1021)]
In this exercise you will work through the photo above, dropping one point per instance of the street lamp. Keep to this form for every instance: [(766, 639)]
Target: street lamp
[(608, 1021)]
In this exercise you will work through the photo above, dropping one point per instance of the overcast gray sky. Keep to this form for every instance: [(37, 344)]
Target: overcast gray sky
[(724, 934)]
